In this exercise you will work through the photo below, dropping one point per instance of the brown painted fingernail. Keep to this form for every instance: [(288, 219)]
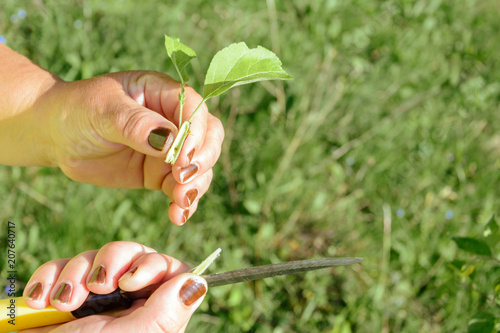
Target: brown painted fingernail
[(132, 270), (185, 216), (99, 276), (188, 173), (160, 137), (63, 294), (128, 274), (35, 292), (191, 291), (191, 196), (190, 155)]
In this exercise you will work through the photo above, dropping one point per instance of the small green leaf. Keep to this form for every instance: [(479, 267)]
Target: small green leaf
[(492, 230), (237, 64), (473, 245), (252, 206), (492, 224), (180, 55), (467, 270), (457, 264), (482, 322)]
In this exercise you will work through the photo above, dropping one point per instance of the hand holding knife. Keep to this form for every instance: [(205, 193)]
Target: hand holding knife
[(120, 300)]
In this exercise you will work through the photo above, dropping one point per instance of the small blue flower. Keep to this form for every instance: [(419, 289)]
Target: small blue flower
[(3, 40), (350, 160), (400, 212), (77, 24), (448, 214), (21, 13)]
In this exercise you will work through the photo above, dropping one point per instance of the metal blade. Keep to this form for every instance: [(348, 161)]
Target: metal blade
[(266, 271)]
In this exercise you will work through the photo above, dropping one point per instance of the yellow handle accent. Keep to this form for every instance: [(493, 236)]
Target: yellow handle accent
[(16, 315)]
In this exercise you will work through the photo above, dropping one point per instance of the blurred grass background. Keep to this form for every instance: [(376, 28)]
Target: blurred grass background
[(384, 146)]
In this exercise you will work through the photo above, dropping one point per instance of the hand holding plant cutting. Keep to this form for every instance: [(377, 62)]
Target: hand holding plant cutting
[(112, 131)]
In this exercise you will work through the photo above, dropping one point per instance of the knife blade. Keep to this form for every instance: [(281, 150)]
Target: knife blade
[(120, 300), (272, 270)]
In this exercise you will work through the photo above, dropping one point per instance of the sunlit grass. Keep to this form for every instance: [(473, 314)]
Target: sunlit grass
[(384, 146)]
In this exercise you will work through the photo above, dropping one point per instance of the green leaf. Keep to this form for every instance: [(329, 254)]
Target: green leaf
[(482, 322), (237, 64), (467, 270), (252, 206), (180, 55), (457, 264), (491, 231), (473, 245)]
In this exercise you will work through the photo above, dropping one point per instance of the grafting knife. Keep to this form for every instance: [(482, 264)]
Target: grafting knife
[(25, 317)]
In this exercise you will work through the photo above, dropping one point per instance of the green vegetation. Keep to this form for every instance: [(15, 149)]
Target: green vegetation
[(384, 146), (232, 66)]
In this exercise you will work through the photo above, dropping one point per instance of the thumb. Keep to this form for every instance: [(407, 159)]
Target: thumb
[(141, 129), (178, 298), (168, 309)]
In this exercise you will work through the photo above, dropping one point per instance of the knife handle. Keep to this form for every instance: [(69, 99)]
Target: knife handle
[(21, 316), (96, 303)]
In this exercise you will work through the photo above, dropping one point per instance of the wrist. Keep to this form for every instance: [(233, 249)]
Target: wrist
[(24, 116), (43, 150)]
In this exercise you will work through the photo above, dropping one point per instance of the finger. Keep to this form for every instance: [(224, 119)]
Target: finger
[(140, 120), (150, 269), (90, 324), (45, 329), (155, 172), (198, 126), (39, 287), (70, 289), (156, 91), (202, 157), (168, 309), (141, 129), (111, 262), (178, 215), (184, 195), (176, 211)]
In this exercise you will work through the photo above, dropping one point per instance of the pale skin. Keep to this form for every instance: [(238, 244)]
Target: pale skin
[(130, 266), (98, 131)]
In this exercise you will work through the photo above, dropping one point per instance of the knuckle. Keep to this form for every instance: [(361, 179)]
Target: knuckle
[(218, 127), (209, 176), (116, 245), (130, 123), (168, 321), (50, 263)]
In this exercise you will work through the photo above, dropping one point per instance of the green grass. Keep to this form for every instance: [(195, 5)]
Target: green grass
[(384, 146)]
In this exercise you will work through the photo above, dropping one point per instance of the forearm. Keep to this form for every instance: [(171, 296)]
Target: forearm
[(24, 120)]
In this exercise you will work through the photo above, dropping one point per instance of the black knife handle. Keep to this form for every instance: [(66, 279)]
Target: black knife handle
[(96, 304)]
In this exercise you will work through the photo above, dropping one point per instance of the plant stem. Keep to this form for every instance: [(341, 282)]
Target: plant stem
[(182, 98), (199, 105), (174, 151), (198, 270)]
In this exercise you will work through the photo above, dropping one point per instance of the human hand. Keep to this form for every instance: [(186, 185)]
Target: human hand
[(65, 284), (114, 131)]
